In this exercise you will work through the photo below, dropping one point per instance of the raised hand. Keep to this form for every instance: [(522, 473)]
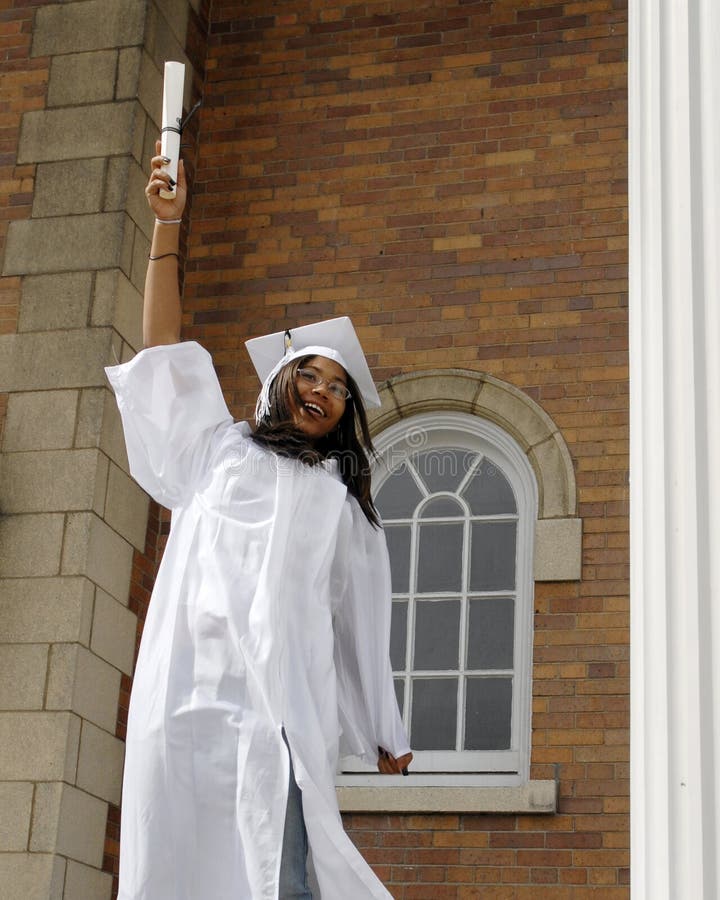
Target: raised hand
[(166, 210)]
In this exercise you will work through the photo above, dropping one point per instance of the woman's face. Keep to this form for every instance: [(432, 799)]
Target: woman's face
[(320, 409)]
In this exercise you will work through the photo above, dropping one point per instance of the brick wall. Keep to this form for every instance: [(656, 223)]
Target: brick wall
[(453, 176)]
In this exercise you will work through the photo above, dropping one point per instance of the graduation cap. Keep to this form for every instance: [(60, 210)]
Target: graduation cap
[(334, 339)]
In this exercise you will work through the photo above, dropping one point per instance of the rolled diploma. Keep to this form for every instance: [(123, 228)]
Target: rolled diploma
[(172, 116)]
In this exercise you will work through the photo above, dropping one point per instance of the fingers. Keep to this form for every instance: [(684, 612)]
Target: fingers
[(158, 163), (386, 763), (404, 761), (158, 160), (182, 184), (160, 180), (389, 765)]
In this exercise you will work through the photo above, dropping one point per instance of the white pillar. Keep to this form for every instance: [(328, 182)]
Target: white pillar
[(675, 447)]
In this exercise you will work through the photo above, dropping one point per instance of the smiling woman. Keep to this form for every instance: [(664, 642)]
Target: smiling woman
[(265, 652), (319, 415), (321, 386)]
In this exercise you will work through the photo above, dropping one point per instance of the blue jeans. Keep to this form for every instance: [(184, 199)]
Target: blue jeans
[(293, 863)]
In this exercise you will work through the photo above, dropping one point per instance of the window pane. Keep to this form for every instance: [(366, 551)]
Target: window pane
[(488, 714), (488, 491), (398, 635), (491, 628), (398, 541), (443, 469), (434, 711), (400, 694), (398, 496), (437, 634), (441, 508), (492, 559), (440, 558)]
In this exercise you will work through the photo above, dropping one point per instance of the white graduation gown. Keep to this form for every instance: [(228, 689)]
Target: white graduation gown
[(271, 609)]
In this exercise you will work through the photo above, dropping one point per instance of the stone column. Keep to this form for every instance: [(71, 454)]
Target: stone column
[(71, 516), (675, 436)]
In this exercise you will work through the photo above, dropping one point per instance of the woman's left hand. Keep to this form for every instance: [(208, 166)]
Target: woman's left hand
[(389, 765)]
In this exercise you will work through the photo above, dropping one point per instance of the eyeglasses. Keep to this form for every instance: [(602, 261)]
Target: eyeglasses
[(336, 389)]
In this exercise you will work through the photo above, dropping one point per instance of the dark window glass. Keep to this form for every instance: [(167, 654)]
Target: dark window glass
[(398, 496), (437, 634), (492, 556), (488, 713), (491, 629), (488, 491), (443, 469), (441, 508), (434, 714), (454, 606), (439, 565), (398, 541), (398, 635)]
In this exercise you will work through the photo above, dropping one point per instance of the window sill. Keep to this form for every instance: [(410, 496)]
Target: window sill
[(401, 796)]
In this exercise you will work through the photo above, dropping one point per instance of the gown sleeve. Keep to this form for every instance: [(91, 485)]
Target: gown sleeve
[(367, 705), (172, 409)]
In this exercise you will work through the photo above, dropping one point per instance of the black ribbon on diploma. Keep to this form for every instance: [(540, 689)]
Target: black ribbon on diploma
[(179, 128)]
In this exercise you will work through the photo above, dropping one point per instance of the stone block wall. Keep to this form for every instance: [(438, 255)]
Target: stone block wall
[(81, 85)]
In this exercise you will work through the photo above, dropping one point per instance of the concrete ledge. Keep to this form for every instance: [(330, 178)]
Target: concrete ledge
[(532, 797), (558, 550)]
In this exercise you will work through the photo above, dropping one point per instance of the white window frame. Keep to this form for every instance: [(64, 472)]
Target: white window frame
[(439, 430)]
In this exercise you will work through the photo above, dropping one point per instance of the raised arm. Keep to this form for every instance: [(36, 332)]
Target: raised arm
[(161, 308)]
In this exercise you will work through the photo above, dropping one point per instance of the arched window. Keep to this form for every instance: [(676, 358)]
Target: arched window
[(458, 501), (477, 490)]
